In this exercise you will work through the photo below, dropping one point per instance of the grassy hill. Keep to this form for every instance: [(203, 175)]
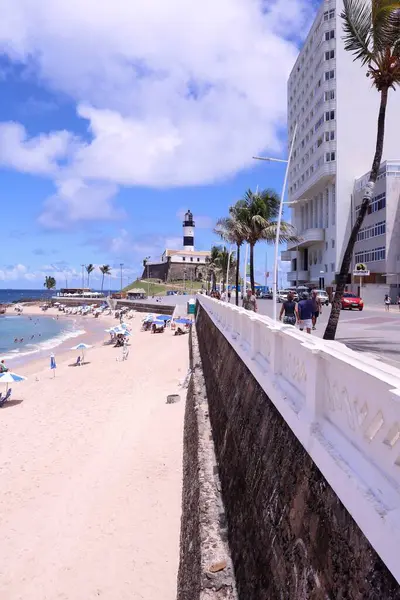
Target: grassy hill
[(160, 289)]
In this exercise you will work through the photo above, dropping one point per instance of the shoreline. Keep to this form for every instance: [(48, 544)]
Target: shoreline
[(92, 334)]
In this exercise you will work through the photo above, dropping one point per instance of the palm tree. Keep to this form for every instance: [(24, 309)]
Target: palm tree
[(257, 215), (223, 260), (105, 270), (89, 269), (214, 265), (372, 34), (231, 230), (50, 282)]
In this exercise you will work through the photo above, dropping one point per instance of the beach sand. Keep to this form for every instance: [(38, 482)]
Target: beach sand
[(91, 467)]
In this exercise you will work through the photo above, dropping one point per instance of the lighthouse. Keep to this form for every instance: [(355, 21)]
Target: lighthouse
[(188, 232)]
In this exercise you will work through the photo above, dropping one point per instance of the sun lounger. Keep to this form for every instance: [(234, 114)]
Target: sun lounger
[(4, 399)]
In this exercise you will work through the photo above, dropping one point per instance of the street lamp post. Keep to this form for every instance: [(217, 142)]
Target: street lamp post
[(121, 265), (147, 269), (278, 224)]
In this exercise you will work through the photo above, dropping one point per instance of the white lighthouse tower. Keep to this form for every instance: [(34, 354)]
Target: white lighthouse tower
[(188, 232)]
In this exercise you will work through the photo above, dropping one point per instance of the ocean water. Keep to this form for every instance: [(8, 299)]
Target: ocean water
[(21, 337), (7, 296)]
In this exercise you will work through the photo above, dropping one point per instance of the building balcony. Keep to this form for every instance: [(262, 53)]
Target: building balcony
[(308, 238), (286, 255), (298, 276)]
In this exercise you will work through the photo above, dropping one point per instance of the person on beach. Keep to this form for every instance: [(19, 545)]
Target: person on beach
[(288, 311), (304, 312), (249, 301), (387, 302), (3, 368)]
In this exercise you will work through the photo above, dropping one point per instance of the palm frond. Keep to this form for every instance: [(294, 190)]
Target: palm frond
[(357, 24), (385, 24)]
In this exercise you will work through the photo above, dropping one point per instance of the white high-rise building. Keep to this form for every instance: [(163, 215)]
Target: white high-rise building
[(336, 109)]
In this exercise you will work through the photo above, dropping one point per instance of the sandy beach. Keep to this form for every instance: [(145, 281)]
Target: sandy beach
[(91, 466)]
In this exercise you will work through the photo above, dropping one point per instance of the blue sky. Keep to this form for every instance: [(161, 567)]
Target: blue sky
[(114, 122)]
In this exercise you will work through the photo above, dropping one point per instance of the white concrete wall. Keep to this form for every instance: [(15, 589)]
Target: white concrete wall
[(344, 408)]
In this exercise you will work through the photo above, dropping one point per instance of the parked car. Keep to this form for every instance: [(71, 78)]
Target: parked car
[(351, 301), (283, 295), (322, 296)]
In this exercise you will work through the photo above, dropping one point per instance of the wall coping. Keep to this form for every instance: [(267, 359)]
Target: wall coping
[(343, 406)]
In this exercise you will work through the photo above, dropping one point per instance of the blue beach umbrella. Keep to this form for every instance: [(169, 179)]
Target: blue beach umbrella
[(183, 321), (163, 318), (53, 365), (9, 377), (82, 347)]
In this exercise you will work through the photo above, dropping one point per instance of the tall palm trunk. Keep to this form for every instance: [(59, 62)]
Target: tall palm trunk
[(252, 284), (237, 275), (331, 327), (102, 283)]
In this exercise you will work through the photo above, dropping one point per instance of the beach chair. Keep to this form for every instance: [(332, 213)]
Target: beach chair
[(4, 399)]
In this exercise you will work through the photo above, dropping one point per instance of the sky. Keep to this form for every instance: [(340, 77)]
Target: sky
[(116, 117)]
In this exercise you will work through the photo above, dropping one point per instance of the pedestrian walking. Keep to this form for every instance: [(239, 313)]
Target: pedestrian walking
[(229, 295), (304, 312), (249, 301), (288, 311), (223, 296), (387, 302), (317, 308)]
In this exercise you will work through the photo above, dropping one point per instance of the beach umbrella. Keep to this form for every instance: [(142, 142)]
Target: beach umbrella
[(9, 377), (163, 318), (53, 365), (82, 347), (183, 321), (127, 333)]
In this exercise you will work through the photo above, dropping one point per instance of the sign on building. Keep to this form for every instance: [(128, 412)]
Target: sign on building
[(361, 270)]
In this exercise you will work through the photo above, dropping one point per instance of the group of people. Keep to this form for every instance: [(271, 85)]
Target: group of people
[(304, 313), (388, 302)]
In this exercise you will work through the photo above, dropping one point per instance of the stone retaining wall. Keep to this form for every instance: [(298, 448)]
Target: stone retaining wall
[(205, 569), (290, 536)]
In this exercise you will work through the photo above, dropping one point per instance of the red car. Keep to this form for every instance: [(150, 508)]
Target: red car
[(351, 301)]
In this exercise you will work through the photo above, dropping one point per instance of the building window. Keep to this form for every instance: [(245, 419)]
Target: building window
[(191, 259), (378, 202), (326, 268), (329, 115), (329, 75), (326, 16), (332, 267), (371, 255), (329, 54), (329, 35), (333, 243), (198, 260), (183, 258), (372, 231), (329, 95), (332, 13), (330, 156)]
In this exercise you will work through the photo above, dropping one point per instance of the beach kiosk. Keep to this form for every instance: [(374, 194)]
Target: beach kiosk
[(191, 306)]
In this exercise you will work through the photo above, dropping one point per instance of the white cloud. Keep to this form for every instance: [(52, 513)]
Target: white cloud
[(37, 155), (174, 93), (77, 201), (20, 272)]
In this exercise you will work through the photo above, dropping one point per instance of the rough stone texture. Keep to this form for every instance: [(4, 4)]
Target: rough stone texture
[(205, 568), (169, 271), (290, 536)]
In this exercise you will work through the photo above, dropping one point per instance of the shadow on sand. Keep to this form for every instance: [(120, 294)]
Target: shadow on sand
[(11, 403)]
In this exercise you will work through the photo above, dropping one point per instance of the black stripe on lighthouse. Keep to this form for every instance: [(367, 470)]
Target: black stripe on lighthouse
[(188, 240)]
